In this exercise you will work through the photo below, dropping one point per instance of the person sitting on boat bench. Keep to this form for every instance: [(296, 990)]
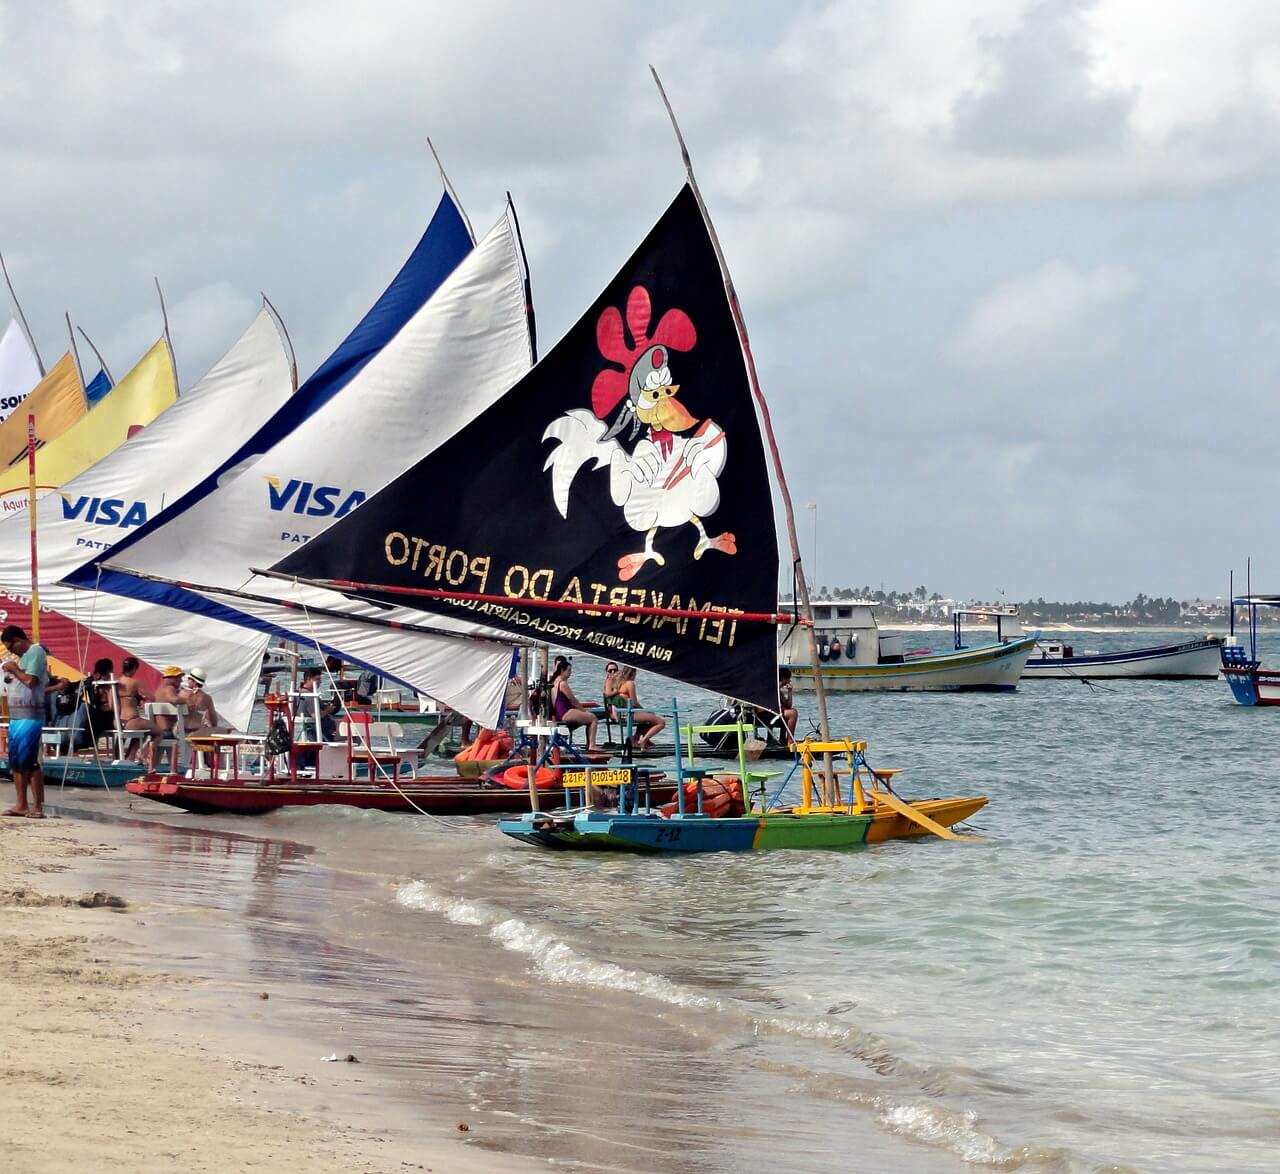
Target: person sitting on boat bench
[(132, 694), (311, 686), (652, 723), (786, 701), (568, 710), (68, 711), (102, 711), (164, 724), (202, 715)]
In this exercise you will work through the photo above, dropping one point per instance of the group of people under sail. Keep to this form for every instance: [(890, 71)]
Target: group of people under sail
[(102, 703), (620, 696)]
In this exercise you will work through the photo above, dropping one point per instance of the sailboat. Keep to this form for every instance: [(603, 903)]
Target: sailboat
[(116, 494), (446, 356), (616, 501)]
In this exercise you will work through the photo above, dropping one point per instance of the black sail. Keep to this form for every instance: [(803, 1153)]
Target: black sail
[(625, 469)]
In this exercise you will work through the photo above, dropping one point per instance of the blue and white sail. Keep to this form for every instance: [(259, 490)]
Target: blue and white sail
[(132, 483), (456, 355), (19, 368)]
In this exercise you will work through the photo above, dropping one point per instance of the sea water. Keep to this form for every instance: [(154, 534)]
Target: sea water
[(1093, 987)]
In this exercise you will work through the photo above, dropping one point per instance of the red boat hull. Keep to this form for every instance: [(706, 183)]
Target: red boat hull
[(435, 796)]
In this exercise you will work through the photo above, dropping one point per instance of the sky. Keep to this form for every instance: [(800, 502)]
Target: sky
[(1008, 265)]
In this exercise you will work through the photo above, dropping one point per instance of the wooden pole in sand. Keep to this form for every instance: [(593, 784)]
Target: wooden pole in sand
[(31, 519), (735, 308)]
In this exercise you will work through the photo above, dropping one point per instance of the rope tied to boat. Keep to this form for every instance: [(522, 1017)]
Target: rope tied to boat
[(373, 758)]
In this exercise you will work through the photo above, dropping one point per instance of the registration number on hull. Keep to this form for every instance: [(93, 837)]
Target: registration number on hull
[(610, 776)]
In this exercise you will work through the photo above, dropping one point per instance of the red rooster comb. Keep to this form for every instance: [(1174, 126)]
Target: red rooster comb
[(675, 331)]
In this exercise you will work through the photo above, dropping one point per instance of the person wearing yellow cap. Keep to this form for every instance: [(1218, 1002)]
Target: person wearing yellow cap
[(169, 693)]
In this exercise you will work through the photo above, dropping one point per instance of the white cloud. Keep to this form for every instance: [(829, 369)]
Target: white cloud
[(1058, 314), (875, 168)]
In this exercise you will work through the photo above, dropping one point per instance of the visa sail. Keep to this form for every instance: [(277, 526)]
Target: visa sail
[(625, 470), (117, 495), (452, 357)]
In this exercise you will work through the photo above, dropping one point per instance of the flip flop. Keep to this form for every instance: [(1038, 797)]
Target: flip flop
[(14, 812), (36, 815)]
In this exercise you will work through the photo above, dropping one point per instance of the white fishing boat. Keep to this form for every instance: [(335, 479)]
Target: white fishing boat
[(1189, 660), (855, 656)]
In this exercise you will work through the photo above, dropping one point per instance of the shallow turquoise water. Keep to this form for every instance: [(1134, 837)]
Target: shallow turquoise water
[(1092, 986)]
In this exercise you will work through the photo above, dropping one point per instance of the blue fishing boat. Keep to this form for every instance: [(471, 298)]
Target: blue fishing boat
[(81, 771), (1250, 683)]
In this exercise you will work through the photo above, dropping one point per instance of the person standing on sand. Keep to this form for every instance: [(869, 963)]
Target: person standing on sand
[(26, 671)]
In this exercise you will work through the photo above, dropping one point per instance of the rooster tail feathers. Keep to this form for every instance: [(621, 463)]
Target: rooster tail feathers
[(581, 437)]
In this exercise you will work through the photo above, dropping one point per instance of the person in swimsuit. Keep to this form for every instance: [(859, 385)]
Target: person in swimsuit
[(202, 715), (610, 694), (786, 699), (98, 697), (567, 708), (651, 721), (132, 694), (26, 670)]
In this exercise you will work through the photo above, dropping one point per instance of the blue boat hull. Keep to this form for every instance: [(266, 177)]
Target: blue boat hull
[(80, 772)]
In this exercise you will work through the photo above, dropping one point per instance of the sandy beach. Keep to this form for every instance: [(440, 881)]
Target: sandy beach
[(109, 1063)]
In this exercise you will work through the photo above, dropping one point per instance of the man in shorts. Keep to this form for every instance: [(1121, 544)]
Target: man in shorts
[(26, 672)]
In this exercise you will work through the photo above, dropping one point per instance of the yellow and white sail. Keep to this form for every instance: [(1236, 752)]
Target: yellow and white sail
[(57, 401), (132, 404)]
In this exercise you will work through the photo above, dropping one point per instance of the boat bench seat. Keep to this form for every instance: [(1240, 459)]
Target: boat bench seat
[(365, 735)]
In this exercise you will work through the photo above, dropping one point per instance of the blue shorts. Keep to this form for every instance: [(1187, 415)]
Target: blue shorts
[(24, 744)]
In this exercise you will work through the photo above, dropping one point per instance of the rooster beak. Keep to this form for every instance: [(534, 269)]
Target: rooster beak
[(671, 414)]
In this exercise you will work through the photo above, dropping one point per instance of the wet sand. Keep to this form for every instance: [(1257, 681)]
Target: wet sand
[(451, 1022), (109, 1061)]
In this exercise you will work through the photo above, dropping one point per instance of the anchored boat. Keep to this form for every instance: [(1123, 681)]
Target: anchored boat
[(854, 656), (1250, 683), (714, 812), (1191, 660)]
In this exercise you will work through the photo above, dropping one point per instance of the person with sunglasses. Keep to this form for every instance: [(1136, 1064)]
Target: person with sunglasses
[(612, 698)]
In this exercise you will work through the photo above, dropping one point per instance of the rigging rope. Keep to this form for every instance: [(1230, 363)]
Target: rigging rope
[(373, 758)]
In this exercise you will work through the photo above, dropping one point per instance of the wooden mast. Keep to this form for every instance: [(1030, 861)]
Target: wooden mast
[(22, 318), (735, 308), (31, 518), (97, 354)]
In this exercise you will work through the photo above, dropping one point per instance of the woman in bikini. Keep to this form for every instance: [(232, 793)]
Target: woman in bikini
[(132, 693), (567, 708), (651, 721)]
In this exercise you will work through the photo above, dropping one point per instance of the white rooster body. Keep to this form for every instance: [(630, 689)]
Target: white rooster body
[(658, 485)]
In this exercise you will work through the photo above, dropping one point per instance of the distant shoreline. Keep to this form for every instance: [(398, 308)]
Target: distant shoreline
[(1031, 627)]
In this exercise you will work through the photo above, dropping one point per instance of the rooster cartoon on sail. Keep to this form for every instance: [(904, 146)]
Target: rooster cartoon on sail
[(663, 462)]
